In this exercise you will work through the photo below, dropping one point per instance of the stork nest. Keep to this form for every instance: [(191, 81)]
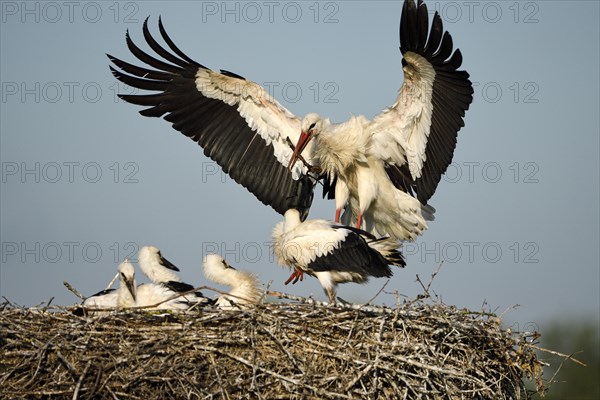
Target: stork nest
[(421, 349)]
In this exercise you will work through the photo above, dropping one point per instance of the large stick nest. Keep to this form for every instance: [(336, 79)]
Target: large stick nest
[(275, 350)]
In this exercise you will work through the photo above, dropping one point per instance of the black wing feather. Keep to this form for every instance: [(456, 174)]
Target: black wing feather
[(452, 95), (102, 292), (401, 178), (353, 254), (182, 287), (179, 287), (214, 125), (158, 49), (172, 46)]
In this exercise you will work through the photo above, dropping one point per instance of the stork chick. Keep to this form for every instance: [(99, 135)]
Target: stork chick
[(244, 286)]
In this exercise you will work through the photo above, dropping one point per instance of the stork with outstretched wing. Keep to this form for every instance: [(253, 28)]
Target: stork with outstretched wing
[(383, 171), (387, 169)]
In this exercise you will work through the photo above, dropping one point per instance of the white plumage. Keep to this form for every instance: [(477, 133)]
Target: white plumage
[(150, 296), (363, 186), (157, 268), (263, 114), (107, 299), (378, 165), (158, 297), (104, 299), (405, 149), (244, 286), (162, 274), (332, 253)]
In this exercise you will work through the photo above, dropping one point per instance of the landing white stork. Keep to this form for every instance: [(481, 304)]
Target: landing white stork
[(332, 253), (244, 286), (162, 272), (377, 164)]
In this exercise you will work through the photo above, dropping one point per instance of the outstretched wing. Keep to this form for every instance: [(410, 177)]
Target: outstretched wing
[(420, 129), (237, 123)]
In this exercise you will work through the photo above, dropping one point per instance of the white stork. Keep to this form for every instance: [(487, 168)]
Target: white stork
[(378, 165), (128, 295), (244, 286), (162, 272), (332, 253), (103, 301), (151, 296)]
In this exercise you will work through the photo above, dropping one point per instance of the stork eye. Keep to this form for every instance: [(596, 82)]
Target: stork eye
[(312, 126)]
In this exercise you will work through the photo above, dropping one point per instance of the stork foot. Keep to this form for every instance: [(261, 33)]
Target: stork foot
[(330, 292), (342, 301), (298, 274)]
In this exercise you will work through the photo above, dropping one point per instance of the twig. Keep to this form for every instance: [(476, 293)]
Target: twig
[(556, 353), (112, 282), (283, 349), (282, 377), (362, 374), (433, 275), (224, 394), (80, 381), (73, 290), (378, 293), (67, 364)]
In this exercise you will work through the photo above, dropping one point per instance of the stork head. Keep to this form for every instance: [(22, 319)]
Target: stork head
[(214, 261), (149, 256), (127, 277), (312, 125), (217, 270)]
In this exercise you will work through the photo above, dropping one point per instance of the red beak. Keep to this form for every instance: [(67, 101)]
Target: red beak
[(300, 146)]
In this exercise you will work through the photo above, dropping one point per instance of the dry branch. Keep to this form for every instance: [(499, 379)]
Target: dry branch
[(421, 349)]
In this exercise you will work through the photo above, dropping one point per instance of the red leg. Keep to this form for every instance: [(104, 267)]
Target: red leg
[(338, 211), (298, 274), (359, 220)]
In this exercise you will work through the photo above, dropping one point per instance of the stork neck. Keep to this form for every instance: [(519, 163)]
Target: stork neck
[(341, 145), (156, 272), (292, 219), (222, 275)]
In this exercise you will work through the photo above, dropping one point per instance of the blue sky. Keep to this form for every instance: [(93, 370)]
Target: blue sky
[(86, 180)]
